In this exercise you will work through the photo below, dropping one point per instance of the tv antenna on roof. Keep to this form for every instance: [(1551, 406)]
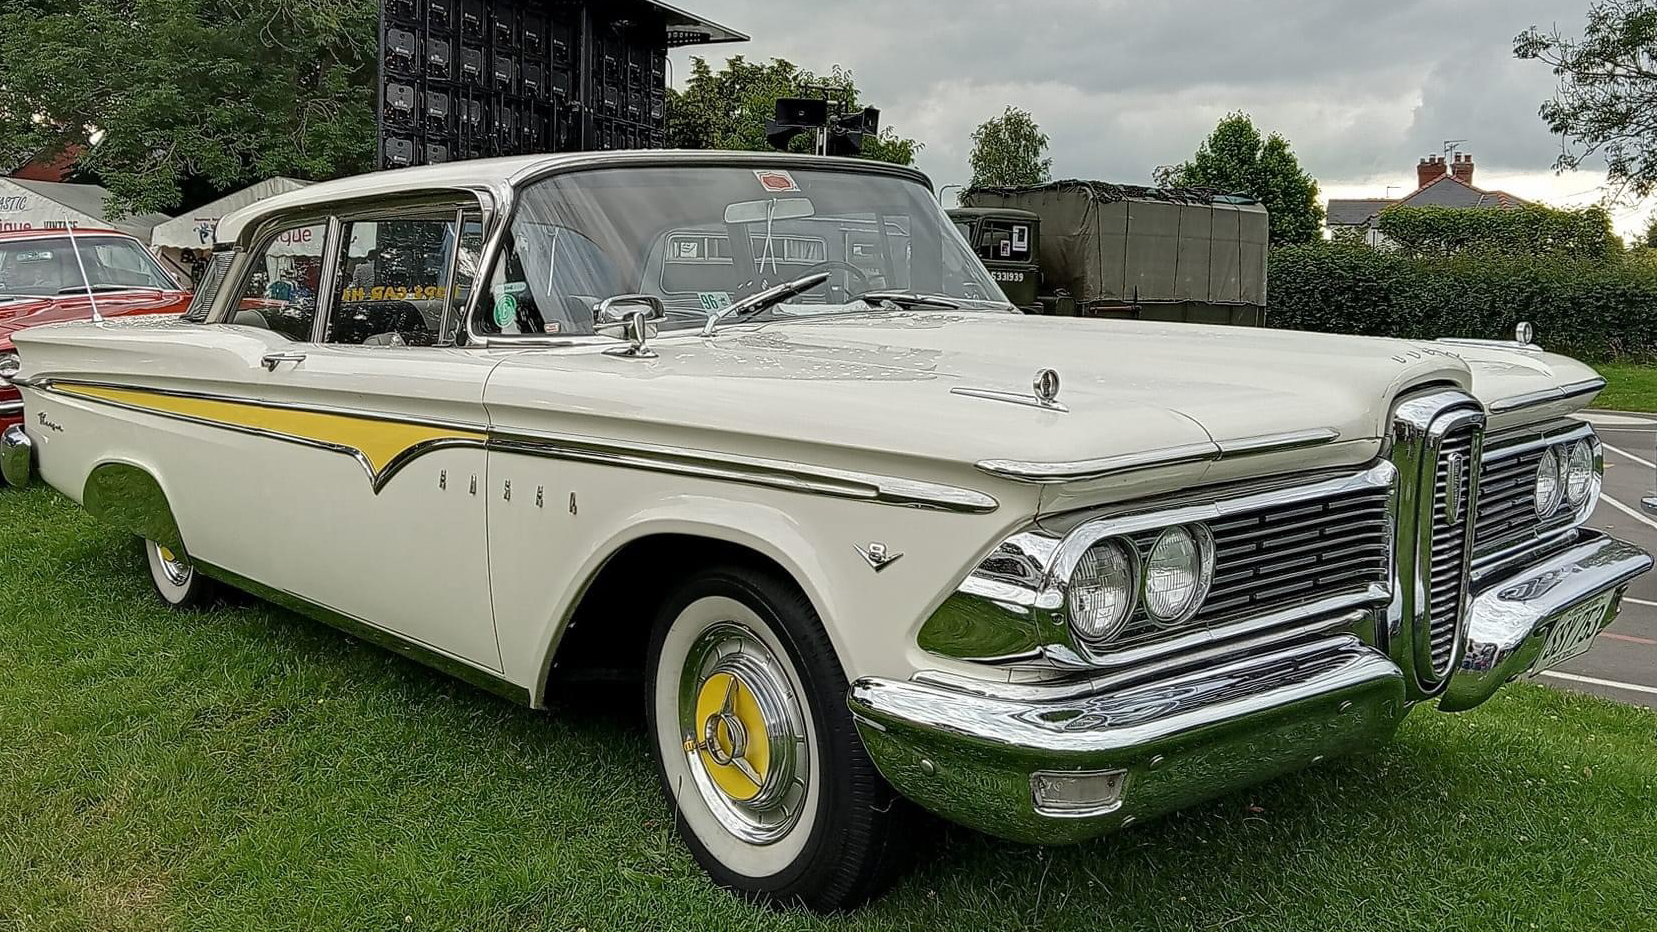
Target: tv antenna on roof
[(1451, 147)]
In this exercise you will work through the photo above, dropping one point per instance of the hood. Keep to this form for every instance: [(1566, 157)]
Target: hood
[(1521, 384), (884, 382), (33, 312)]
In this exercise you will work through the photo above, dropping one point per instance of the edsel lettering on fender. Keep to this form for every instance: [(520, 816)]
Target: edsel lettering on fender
[(863, 528)]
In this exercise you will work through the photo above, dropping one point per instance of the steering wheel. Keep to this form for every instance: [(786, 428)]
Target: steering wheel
[(832, 265)]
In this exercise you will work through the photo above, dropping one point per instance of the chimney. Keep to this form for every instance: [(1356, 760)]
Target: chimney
[(1429, 170), (1462, 169)]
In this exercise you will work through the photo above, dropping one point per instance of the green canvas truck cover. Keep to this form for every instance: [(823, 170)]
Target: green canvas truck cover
[(1123, 244)]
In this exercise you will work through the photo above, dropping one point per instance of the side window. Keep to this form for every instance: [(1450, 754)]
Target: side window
[(1002, 240), (394, 281), (280, 294), (546, 282)]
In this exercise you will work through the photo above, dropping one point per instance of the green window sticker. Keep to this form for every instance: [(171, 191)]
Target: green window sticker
[(506, 310), (714, 300)]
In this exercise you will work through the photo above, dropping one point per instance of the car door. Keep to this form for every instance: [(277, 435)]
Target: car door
[(363, 485)]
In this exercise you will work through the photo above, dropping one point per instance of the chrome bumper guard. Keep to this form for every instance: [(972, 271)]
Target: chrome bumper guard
[(982, 755), (17, 456), (1512, 618)]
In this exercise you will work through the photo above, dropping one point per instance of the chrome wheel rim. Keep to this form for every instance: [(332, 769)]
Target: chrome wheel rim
[(174, 568), (744, 734)]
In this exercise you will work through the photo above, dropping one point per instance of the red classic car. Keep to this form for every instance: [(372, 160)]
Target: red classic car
[(41, 282)]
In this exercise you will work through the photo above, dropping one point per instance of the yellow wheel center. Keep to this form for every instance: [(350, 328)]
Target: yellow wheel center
[(733, 743)]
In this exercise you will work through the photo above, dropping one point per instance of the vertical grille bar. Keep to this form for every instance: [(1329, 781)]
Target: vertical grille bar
[(1453, 491)]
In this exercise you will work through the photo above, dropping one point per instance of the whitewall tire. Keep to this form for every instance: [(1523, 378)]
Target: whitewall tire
[(176, 579), (772, 789)]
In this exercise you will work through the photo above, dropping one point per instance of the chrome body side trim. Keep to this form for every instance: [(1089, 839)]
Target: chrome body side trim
[(791, 476), (1580, 389), (11, 409), (1512, 618), (356, 627), (970, 755), (776, 474), (17, 456), (1104, 467), (1010, 608)]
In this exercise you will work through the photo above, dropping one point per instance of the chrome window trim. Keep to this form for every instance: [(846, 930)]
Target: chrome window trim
[(507, 211), (1207, 451), (1547, 395)]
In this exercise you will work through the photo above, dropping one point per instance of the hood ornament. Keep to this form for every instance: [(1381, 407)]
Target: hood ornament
[(1045, 387)]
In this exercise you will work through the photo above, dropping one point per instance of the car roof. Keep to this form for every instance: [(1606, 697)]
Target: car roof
[(498, 175), (1001, 213), (47, 232)]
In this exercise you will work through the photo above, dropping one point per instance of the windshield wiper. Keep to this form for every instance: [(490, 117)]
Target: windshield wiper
[(765, 300), (99, 289), (907, 300)]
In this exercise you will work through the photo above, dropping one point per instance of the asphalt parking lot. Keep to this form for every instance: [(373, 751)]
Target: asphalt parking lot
[(1622, 664)]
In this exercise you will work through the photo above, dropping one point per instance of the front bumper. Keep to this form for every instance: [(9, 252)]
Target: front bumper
[(975, 751), (1510, 620), (970, 754), (17, 455)]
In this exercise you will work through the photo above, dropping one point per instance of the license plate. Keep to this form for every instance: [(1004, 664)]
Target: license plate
[(1573, 634)]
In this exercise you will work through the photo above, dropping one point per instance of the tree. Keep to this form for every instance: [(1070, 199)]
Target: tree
[(727, 109), (1606, 101), (176, 90), (1234, 159), (1648, 239), (1010, 150)]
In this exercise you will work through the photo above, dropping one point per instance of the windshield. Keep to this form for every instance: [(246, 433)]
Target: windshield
[(703, 238), (48, 267)]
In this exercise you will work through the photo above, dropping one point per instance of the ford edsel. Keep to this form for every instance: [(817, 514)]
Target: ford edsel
[(761, 429)]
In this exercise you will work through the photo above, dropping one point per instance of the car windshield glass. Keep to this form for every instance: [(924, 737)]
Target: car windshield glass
[(703, 238), (47, 266)]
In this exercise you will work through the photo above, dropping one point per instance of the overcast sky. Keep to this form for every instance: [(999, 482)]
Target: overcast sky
[(1362, 88)]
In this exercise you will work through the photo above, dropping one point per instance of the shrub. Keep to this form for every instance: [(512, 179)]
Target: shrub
[(1599, 310), (1530, 230)]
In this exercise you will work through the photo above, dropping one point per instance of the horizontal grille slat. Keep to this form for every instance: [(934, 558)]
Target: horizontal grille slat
[(1277, 557), (1507, 504)]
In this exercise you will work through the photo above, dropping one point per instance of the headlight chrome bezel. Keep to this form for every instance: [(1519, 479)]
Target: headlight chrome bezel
[(1129, 555), (1579, 455), (10, 365), (1202, 542), (1545, 498)]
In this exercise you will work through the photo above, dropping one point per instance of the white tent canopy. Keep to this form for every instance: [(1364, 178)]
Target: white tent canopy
[(194, 229), (36, 205)]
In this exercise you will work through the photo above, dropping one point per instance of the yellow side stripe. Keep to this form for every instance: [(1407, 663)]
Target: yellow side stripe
[(379, 442)]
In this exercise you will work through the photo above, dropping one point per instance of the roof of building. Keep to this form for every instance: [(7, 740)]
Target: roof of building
[(496, 175), (689, 29), (1444, 191)]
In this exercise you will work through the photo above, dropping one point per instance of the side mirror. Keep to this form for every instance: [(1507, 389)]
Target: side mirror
[(629, 317)]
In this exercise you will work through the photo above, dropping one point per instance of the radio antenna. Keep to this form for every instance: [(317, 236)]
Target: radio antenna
[(97, 318)]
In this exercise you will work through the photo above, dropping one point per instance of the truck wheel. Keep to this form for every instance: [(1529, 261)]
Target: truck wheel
[(175, 578), (773, 791)]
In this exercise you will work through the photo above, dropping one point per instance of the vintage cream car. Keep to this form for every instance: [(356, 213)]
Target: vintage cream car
[(758, 427)]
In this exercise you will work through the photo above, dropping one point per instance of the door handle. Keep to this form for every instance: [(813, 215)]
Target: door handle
[(272, 360)]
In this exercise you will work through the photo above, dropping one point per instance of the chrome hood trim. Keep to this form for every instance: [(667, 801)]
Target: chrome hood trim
[(1104, 467)]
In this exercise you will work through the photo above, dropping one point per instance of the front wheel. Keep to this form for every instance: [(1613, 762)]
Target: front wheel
[(175, 577), (773, 791)]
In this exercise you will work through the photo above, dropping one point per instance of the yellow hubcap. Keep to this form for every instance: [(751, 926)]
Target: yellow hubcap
[(734, 745)]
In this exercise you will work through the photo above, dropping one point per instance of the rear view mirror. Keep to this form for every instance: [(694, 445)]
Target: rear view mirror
[(794, 208)]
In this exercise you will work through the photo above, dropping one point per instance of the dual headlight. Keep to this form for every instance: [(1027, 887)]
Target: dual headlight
[(1566, 474), (10, 365), (1111, 578)]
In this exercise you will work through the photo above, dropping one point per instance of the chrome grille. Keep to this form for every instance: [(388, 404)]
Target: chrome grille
[(1277, 557), (1507, 496), (1447, 575)]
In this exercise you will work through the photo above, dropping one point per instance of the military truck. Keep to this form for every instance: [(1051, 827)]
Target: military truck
[(1095, 249)]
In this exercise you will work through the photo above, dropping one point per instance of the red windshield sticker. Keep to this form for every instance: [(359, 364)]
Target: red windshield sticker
[(776, 182)]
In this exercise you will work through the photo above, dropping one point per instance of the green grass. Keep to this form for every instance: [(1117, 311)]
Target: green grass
[(246, 769), (1628, 387)]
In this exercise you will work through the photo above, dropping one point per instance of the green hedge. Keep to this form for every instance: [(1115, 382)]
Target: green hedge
[(1597, 310)]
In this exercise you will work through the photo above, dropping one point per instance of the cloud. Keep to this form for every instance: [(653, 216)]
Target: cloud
[(1361, 89)]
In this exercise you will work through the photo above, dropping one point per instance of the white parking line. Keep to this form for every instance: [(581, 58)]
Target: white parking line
[(1632, 513), (1624, 453), (1595, 681)]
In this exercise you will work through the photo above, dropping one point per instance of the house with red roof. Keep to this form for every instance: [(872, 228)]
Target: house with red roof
[(1439, 183)]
